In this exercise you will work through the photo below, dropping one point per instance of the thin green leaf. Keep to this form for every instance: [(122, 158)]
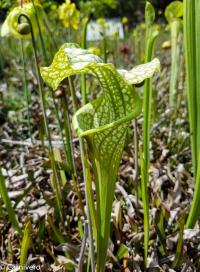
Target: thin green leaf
[(161, 221), (59, 159), (60, 238), (179, 248), (151, 34), (26, 243), (175, 30)]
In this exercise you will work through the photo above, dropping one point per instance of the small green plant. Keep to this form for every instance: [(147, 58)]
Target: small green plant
[(103, 123), (173, 13), (192, 55)]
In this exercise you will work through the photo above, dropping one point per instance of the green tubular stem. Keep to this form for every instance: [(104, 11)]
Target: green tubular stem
[(83, 247), (136, 156), (104, 207), (65, 136), (84, 33), (26, 93), (51, 35), (175, 27), (73, 94), (40, 33), (87, 183), (1, 60), (84, 46), (56, 182), (70, 148), (179, 248), (194, 210), (104, 48), (77, 190), (192, 56), (146, 144), (83, 89), (26, 243), (88, 198), (197, 39), (145, 168)]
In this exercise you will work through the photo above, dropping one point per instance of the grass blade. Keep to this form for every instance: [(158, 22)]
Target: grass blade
[(177, 259), (26, 243)]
